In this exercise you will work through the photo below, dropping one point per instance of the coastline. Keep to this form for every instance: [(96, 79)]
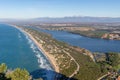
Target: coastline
[(94, 37), (50, 58)]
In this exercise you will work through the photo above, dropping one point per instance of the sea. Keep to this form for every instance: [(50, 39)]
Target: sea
[(17, 50)]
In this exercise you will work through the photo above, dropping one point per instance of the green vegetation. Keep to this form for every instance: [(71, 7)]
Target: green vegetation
[(16, 74), (94, 34), (87, 67), (110, 63), (3, 68), (113, 59), (88, 70)]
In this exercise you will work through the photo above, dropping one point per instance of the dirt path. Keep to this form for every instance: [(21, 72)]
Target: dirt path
[(103, 76), (78, 67)]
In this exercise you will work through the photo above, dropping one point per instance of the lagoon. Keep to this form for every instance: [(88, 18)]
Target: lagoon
[(92, 44)]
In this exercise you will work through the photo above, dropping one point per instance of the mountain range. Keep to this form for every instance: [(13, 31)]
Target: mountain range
[(68, 19)]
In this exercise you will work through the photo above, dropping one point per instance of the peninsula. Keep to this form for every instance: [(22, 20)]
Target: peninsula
[(73, 62)]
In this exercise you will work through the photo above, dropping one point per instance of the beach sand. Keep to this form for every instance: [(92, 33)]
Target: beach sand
[(49, 56)]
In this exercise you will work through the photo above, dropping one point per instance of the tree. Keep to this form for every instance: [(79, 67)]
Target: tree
[(19, 74), (3, 68), (113, 59)]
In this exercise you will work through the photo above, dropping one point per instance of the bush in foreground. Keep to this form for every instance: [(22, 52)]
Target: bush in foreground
[(16, 74)]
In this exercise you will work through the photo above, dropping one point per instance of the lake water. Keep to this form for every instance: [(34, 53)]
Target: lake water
[(18, 50), (92, 44)]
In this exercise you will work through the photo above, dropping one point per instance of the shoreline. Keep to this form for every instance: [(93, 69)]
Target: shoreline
[(92, 37), (50, 58)]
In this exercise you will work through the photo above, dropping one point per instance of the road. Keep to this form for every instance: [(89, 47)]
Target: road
[(78, 67)]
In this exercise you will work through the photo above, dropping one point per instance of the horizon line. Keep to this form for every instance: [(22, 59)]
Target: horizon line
[(60, 17)]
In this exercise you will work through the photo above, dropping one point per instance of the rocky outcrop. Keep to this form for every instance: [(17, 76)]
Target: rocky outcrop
[(111, 36)]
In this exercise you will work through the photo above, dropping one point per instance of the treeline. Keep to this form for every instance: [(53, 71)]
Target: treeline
[(92, 34)]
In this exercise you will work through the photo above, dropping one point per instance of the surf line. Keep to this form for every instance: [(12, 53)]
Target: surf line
[(48, 56)]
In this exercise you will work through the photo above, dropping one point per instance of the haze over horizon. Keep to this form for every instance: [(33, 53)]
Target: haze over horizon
[(23, 9)]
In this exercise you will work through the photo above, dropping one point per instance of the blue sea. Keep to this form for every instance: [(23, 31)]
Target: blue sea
[(18, 50)]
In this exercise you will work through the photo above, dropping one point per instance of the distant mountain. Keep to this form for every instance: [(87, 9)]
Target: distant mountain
[(67, 19), (78, 19)]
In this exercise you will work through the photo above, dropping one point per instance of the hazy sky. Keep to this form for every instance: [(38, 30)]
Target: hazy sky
[(58, 8)]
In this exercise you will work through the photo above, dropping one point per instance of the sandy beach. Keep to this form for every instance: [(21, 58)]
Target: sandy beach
[(48, 56)]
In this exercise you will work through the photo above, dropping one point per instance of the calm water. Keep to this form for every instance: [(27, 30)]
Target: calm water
[(92, 44), (17, 50)]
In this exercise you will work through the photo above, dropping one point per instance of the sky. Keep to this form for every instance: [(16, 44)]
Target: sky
[(58, 8)]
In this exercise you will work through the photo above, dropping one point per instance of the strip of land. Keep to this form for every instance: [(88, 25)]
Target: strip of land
[(71, 61)]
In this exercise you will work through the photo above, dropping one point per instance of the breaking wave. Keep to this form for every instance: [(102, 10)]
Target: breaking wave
[(42, 61), (19, 36), (46, 70)]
